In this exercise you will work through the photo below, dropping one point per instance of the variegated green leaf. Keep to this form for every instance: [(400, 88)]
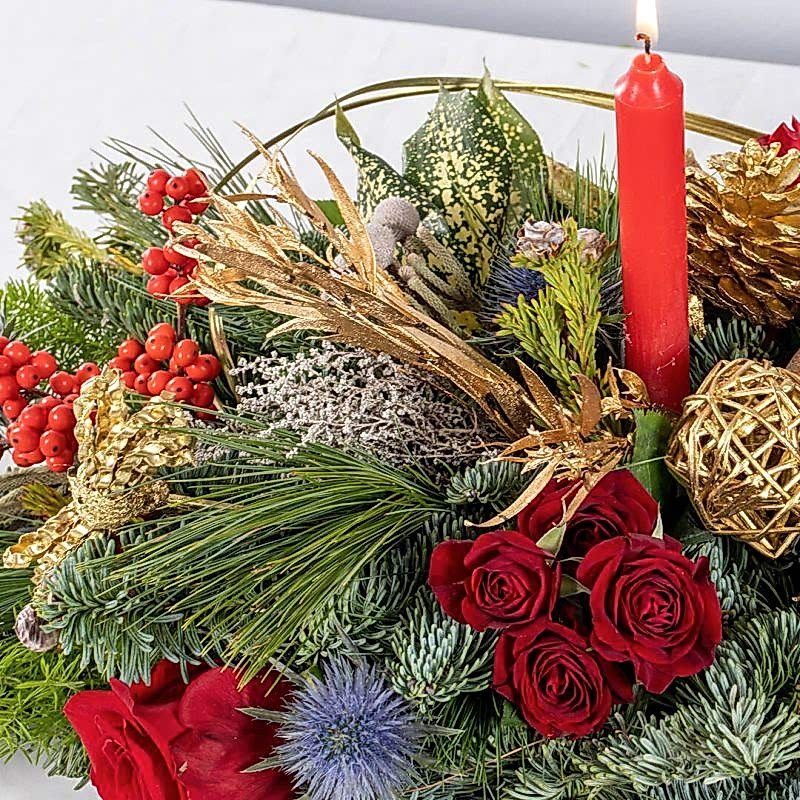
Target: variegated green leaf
[(377, 179), (459, 158), (529, 173)]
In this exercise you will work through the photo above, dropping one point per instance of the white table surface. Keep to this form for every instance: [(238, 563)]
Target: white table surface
[(77, 72)]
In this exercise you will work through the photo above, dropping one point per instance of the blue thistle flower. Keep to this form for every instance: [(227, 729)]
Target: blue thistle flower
[(349, 736), (505, 285)]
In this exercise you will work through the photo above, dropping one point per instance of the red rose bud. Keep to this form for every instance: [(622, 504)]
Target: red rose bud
[(618, 506), (500, 579), (560, 687), (653, 606)]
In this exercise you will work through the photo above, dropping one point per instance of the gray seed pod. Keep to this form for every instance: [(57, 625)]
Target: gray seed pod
[(384, 240), (399, 215), (29, 631)]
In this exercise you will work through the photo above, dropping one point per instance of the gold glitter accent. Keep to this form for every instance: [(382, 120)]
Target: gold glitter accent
[(118, 455)]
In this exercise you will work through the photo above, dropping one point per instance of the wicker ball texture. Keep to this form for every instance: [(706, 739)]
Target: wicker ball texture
[(736, 449)]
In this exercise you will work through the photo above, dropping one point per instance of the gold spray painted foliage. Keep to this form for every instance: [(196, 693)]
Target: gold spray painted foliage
[(118, 455)]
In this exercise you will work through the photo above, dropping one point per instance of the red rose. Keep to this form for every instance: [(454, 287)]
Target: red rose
[(618, 506), (220, 741), (500, 579), (560, 687), (131, 733), (653, 606)]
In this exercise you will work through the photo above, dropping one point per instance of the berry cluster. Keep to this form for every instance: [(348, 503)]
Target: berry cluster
[(41, 425), (168, 269), (164, 364)]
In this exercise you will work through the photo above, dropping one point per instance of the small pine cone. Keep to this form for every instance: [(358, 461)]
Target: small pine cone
[(744, 232), (29, 631), (541, 239), (538, 240), (398, 214)]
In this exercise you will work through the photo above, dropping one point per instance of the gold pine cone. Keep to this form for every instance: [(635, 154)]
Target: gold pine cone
[(744, 232)]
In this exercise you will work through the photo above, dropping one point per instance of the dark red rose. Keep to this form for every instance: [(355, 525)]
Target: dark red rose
[(561, 688), (787, 137), (131, 734), (618, 505), (220, 741), (653, 606), (500, 579)]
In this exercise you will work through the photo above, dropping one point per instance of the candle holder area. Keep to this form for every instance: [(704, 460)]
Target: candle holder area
[(426, 490)]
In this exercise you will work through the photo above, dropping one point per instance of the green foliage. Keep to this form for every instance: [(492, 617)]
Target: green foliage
[(263, 558), (110, 619), (33, 690), (435, 659), (364, 615), (650, 447), (558, 329), (726, 340), (491, 484), (29, 313)]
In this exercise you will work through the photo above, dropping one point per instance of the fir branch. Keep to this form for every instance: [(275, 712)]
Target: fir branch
[(263, 558)]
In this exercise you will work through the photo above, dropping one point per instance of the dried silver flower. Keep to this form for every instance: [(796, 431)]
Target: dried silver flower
[(29, 631)]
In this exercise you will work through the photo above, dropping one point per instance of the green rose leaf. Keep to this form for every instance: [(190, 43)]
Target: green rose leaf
[(647, 462)]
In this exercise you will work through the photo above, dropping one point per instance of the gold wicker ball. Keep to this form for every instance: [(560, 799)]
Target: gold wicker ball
[(736, 449)]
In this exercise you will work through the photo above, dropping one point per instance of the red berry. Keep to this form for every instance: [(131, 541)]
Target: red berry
[(158, 347), (44, 362), (195, 207), (120, 363), (6, 365), (157, 180), (14, 406), (154, 261), (206, 368), (56, 465), (151, 203), (175, 214), (71, 397), (158, 380), (196, 183), (35, 456), (128, 378), (179, 283), (140, 383), (130, 348), (186, 352), (21, 459), (28, 377), (203, 395), (61, 418), (4, 340), (34, 417), (49, 402), (18, 352), (174, 366), (182, 388), (9, 388), (162, 329), (174, 257), (177, 187), (63, 383), (86, 371), (52, 443), (145, 364), (24, 438), (158, 285)]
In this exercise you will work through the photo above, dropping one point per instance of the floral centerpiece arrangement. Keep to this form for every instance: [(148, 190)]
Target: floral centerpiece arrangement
[(356, 499)]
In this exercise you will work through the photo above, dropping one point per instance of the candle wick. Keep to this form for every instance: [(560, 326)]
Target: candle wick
[(643, 37)]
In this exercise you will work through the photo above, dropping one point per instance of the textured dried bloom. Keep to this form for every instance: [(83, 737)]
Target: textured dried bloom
[(29, 631), (541, 239), (398, 214), (349, 736), (340, 397)]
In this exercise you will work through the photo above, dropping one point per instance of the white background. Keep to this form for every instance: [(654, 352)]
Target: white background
[(75, 72)]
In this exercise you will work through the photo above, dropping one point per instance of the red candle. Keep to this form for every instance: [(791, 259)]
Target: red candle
[(652, 209)]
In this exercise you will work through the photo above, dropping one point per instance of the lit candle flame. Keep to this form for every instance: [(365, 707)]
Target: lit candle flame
[(647, 19)]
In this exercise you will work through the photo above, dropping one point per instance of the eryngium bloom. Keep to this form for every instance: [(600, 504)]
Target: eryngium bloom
[(349, 736)]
